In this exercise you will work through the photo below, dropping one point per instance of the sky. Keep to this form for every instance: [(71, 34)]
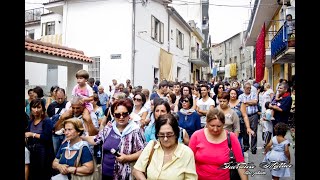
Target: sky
[(226, 21), (226, 18)]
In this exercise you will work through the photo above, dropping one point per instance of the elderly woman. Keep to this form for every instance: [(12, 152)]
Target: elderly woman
[(125, 136), (240, 108), (69, 151), (39, 141), (170, 159), (188, 117), (161, 107), (232, 123), (214, 137)]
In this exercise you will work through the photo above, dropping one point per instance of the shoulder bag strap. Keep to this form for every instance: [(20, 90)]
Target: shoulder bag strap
[(151, 153), (77, 162), (231, 154)]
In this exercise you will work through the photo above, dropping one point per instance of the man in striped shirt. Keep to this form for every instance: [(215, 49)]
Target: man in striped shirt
[(250, 99)]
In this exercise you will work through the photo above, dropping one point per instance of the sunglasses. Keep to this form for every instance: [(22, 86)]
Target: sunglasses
[(162, 136), (135, 99), (124, 115), (185, 100), (220, 87)]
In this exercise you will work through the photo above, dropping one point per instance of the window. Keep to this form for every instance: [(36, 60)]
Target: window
[(157, 29), (48, 28), (180, 39), (94, 68), (30, 33)]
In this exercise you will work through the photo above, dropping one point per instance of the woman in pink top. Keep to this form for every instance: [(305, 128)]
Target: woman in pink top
[(211, 151)]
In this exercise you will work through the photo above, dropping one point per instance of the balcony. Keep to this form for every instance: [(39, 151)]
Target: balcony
[(259, 15), (33, 15), (283, 46), (200, 59), (55, 6), (53, 39)]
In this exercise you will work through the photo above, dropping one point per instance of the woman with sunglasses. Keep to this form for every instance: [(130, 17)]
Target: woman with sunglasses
[(170, 159), (139, 112), (161, 107), (125, 137), (189, 119)]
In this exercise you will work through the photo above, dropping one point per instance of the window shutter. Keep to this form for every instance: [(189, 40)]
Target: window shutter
[(153, 23), (182, 41), (161, 32), (177, 37)]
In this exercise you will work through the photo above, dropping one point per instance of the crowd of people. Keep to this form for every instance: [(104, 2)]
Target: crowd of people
[(177, 131)]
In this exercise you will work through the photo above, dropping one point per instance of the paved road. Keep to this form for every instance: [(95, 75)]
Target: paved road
[(257, 158)]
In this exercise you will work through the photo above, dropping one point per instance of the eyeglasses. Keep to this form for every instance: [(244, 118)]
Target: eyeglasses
[(124, 115), (162, 136), (185, 100), (135, 99)]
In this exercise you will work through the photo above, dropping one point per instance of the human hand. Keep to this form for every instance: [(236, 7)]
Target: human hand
[(28, 134), (122, 158), (63, 168), (71, 169)]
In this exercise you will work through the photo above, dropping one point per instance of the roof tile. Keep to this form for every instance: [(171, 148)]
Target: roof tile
[(55, 50)]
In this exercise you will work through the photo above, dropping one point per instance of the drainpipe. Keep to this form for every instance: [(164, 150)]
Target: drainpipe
[(133, 38), (169, 32)]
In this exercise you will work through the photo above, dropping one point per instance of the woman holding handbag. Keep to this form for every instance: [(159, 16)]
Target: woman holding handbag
[(211, 150), (72, 150), (166, 158)]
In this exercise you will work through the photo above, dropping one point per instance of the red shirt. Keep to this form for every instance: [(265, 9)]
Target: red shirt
[(209, 156)]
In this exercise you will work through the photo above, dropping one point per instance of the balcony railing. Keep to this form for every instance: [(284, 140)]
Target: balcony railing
[(33, 14), (202, 60), (282, 40)]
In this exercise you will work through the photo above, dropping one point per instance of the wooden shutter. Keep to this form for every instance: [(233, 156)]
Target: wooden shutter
[(161, 32), (153, 23)]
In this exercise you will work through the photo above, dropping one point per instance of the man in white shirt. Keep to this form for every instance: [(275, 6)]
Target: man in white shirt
[(204, 104)]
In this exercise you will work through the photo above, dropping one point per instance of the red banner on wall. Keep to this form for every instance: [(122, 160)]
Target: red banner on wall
[(260, 54)]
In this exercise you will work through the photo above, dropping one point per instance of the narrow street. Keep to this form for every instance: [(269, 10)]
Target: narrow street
[(264, 174)]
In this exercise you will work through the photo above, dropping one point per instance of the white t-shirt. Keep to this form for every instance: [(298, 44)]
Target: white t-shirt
[(136, 117), (26, 156), (205, 106)]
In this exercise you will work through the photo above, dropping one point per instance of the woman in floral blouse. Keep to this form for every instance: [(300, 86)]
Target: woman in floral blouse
[(125, 136)]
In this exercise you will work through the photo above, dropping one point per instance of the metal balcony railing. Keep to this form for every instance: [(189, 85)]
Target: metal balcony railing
[(282, 40), (33, 14), (204, 56)]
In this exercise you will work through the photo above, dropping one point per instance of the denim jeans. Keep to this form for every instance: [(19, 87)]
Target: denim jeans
[(57, 140)]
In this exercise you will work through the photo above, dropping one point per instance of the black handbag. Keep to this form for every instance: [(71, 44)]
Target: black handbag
[(234, 174)]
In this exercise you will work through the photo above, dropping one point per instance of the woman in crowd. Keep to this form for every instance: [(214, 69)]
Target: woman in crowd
[(98, 110), (211, 151), (40, 145), (125, 136), (171, 99), (52, 97), (188, 117), (217, 89), (139, 112), (240, 108), (162, 107), (170, 159), (232, 123), (27, 101), (69, 151)]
